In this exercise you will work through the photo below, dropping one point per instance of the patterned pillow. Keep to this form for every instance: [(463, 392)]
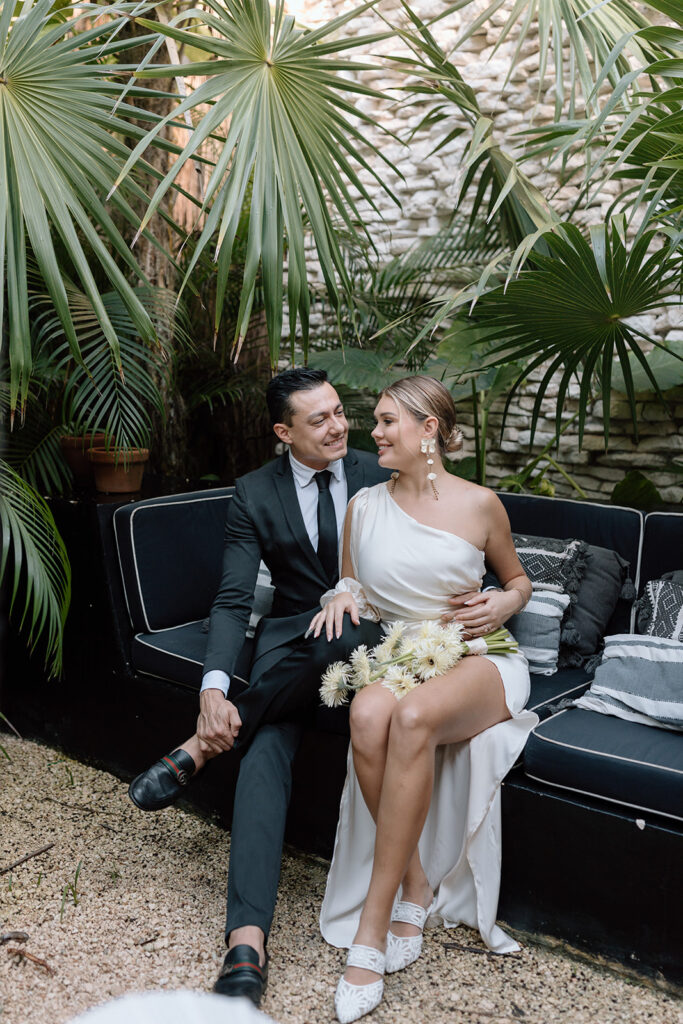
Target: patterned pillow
[(550, 564), (660, 609), (639, 679), (537, 630)]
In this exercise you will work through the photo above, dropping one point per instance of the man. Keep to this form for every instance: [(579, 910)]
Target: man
[(289, 513)]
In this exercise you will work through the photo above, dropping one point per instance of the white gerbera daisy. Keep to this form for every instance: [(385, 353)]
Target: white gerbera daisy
[(361, 667), (452, 632), (430, 629), (399, 681), (388, 648), (432, 659), (334, 686)]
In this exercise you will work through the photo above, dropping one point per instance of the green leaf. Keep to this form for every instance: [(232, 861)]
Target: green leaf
[(357, 368), (636, 491), (61, 149), (293, 136), (570, 313), (665, 364), (101, 393), (466, 468), (34, 565)]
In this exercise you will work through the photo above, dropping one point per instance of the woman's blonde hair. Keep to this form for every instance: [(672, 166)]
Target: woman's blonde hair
[(426, 396)]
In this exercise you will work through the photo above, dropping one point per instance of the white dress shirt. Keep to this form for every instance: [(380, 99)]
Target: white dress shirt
[(307, 493)]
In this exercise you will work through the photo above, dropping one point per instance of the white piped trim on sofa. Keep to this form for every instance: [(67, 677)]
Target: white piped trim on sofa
[(143, 508)]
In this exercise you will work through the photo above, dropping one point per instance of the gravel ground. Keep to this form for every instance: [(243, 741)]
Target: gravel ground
[(126, 901)]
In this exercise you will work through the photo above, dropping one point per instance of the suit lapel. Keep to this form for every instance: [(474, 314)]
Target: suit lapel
[(354, 474), (286, 489)]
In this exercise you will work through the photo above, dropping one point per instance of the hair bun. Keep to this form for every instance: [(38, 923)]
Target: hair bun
[(453, 443)]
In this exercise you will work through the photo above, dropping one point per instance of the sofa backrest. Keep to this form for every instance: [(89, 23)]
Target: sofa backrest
[(662, 545), (607, 526), (170, 553)]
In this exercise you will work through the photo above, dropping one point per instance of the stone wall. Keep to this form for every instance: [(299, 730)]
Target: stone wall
[(428, 193)]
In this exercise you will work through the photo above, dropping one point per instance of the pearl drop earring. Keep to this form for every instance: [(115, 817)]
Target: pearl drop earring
[(428, 447)]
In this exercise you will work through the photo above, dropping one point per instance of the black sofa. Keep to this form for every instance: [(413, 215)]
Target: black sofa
[(592, 816)]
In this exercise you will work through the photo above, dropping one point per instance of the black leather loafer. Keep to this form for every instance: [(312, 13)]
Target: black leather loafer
[(242, 975), (163, 783)]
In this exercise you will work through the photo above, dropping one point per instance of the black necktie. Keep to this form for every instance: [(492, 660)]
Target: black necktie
[(327, 526)]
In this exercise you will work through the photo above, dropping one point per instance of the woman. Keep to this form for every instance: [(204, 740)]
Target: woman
[(427, 767)]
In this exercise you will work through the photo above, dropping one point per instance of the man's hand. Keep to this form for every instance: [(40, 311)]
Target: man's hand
[(218, 723)]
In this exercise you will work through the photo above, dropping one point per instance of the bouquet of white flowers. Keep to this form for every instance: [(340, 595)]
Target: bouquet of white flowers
[(402, 661)]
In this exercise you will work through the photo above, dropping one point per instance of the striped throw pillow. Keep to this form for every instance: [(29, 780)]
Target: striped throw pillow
[(263, 598), (639, 679), (537, 630)]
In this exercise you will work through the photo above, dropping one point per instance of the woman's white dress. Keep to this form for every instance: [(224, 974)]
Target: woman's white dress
[(408, 571)]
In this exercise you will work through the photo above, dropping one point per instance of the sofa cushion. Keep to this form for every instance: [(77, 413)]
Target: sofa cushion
[(537, 630), (178, 653), (622, 762), (171, 556), (662, 545), (551, 693), (604, 583)]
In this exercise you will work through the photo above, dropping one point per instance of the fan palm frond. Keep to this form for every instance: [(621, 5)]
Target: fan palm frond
[(641, 146), (601, 37), (61, 148), (100, 392), (32, 447), (35, 563), (571, 314), (503, 191), (293, 136)]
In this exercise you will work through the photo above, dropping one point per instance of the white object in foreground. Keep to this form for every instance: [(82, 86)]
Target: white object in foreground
[(181, 1007)]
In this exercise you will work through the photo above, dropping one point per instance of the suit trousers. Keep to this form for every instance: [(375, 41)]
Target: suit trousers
[(274, 710)]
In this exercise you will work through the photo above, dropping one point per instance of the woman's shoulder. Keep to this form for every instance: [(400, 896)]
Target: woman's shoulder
[(480, 499)]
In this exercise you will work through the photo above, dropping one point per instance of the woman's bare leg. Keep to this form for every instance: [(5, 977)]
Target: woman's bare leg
[(448, 709), (371, 712)]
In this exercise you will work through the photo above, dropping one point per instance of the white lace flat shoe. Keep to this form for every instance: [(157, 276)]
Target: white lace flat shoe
[(353, 1001), (403, 950)]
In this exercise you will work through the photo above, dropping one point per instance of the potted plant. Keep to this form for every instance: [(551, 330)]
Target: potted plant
[(107, 401)]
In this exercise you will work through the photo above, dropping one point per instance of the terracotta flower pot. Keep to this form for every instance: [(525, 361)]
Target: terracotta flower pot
[(75, 451), (118, 471)]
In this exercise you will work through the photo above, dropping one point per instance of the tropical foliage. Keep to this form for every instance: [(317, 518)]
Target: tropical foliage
[(276, 117), (292, 137)]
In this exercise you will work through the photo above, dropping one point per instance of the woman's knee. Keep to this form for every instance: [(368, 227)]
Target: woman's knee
[(410, 725), (370, 716)]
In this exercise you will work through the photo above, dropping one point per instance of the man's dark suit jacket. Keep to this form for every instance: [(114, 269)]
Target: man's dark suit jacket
[(265, 523)]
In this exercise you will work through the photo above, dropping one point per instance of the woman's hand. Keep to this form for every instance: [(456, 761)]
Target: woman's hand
[(332, 616), (481, 613)]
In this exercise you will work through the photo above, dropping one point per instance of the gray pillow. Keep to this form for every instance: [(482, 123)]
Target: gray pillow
[(639, 680), (660, 609), (605, 581), (537, 630), (263, 601)]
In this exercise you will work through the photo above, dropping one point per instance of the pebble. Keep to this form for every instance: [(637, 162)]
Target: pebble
[(101, 948)]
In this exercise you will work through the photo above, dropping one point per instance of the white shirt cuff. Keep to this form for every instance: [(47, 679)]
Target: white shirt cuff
[(216, 679)]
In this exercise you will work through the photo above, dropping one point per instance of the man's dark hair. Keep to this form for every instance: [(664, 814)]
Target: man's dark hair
[(283, 386)]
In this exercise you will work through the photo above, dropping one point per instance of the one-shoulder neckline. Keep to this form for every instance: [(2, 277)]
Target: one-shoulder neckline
[(426, 526)]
